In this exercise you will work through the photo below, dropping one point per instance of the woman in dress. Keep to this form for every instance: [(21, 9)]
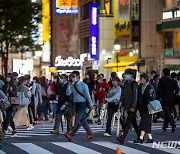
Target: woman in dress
[(146, 93), (21, 116)]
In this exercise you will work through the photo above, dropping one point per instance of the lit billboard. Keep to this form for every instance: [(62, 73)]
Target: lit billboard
[(66, 6), (94, 39)]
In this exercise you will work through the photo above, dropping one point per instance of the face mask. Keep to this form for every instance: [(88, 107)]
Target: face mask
[(142, 80), (34, 80), (8, 79), (16, 81), (87, 76), (55, 80), (126, 77), (61, 81), (74, 79)]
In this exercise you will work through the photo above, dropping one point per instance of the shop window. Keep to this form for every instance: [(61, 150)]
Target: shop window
[(178, 40), (168, 40)]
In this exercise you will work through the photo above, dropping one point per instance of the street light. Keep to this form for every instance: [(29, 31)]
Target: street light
[(117, 48)]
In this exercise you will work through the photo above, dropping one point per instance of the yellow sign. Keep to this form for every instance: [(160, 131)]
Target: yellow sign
[(121, 19), (66, 3), (45, 19)]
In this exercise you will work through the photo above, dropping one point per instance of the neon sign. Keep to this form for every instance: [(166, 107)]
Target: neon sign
[(94, 31), (66, 7)]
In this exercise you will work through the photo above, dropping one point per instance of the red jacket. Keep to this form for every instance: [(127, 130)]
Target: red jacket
[(101, 90)]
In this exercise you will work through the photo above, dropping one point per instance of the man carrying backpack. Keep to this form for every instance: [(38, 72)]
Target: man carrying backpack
[(129, 103)]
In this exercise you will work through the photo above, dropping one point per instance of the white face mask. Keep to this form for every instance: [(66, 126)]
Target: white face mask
[(142, 80), (87, 76), (114, 83), (8, 79), (34, 80), (61, 80), (74, 79), (55, 80)]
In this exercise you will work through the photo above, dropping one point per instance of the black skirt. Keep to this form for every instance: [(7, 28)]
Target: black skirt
[(146, 122)]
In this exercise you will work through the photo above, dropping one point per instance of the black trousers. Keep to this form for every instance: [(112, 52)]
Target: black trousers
[(168, 118), (131, 119), (110, 112), (9, 119)]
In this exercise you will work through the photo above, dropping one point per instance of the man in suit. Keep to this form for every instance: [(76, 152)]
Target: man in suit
[(166, 88)]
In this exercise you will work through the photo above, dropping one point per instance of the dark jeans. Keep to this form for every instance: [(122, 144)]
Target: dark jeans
[(110, 112), (59, 118), (131, 119), (45, 106), (9, 119), (168, 118), (31, 108), (80, 111)]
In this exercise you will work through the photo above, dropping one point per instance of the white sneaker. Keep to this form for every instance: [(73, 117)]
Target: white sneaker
[(107, 135), (30, 127), (10, 128)]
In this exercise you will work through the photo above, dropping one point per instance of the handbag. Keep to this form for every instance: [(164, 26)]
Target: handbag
[(4, 105), (24, 101), (14, 100), (154, 107)]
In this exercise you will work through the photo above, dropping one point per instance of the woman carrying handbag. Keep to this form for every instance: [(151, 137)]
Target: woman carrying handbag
[(21, 116), (146, 94)]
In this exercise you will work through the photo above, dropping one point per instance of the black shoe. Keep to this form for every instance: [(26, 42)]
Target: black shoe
[(154, 120), (173, 128), (149, 141), (121, 139), (164, 129), (138, 140)]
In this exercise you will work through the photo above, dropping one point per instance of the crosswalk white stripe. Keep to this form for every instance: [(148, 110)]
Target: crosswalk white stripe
[(2, 152), (169, 150), (31, 148), (75, 148), (124, 149)]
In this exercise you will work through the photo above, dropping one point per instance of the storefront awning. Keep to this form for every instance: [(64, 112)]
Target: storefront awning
[(120, 64)]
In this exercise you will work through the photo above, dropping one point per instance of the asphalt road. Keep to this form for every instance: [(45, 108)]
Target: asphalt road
[(40, 141)]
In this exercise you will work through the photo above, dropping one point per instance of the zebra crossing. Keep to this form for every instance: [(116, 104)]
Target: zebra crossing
[(97, 147), (44, 130)]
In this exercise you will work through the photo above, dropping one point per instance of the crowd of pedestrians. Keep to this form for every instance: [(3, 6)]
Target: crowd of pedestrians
[(79, 102)]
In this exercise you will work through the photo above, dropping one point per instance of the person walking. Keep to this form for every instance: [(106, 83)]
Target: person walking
[(129, 103), (166, 89), (112, 99), (80, 95), (21, 117), (146, 93), (64, 107), (10, 89)]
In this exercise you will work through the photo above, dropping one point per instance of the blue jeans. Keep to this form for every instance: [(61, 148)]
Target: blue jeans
[(80, 111)]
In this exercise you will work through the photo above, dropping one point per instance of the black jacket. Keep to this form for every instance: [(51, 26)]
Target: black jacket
[(130, 91), (145, 98), (166, 89), (62, 97)]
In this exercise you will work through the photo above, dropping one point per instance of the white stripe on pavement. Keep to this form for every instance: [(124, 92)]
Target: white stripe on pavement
[(75, 148), (2, 152), (31, 148), (169, 150), (124, 149)]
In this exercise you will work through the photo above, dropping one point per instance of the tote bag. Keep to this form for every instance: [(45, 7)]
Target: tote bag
[(154, 107)]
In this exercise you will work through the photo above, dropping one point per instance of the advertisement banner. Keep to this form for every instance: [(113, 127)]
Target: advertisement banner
[(66, 7), (94, 39), (121, 18)]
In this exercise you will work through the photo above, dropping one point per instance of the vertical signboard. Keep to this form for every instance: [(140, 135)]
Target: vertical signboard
[(94, 31), (135, 21)]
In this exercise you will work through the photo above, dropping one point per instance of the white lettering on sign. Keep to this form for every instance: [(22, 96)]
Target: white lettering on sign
[(94, 16), (94, 43), (70, 62), (171, 14), (168, 15), (177, 14)]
